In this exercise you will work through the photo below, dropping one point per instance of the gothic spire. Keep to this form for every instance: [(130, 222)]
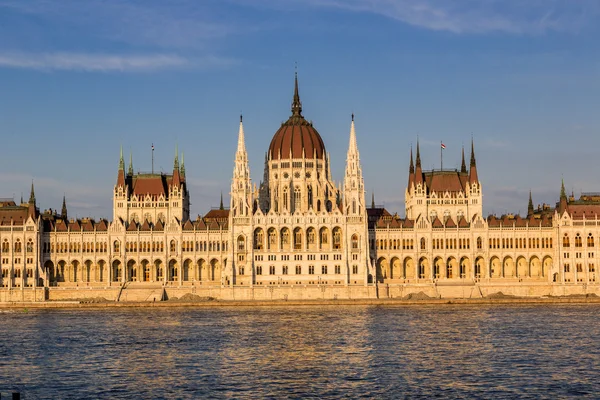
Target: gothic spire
[(530, 205), (373, 199), (221, 203), (64, 208), (418, 170), (352, 147), (563, 193), (31, 195), (130, 170), (463, 166), (182, 169), (411, 170), (241, 139), (473, 178), (296, 103), (121, 160), (176, 161)]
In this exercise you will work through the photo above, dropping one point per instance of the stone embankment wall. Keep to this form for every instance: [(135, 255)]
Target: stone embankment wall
[(298, 293)]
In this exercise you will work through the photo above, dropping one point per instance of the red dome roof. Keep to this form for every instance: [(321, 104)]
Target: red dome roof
[(296, 138)]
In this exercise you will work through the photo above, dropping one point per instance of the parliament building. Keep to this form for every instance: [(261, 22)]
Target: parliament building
[(299, 235)]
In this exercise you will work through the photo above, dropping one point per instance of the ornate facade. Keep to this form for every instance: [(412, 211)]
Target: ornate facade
[(298, 229)]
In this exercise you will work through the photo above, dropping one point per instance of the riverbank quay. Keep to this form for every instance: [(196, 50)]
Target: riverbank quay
[(298, 303)]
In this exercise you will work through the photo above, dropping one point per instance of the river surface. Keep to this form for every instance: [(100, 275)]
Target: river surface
[(500, 351)]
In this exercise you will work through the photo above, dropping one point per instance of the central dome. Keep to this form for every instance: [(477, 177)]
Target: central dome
[(296, 138)]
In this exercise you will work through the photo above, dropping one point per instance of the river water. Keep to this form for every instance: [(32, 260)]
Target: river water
[(499, 351)]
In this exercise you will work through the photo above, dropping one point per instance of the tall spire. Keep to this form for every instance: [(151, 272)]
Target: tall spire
[(176, 161), (411, 170), (221, 203), (64, 208), (530, 205), (182, 168), (31, 195), (463, 166), (473, 178), (563, 193), (296, 103), (130, 170), (373, 199), (418, 170), (241, 140), (121, 160), (353, 147), (562, 204)]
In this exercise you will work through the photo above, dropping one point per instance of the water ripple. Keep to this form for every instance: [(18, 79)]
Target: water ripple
[(501, 351)]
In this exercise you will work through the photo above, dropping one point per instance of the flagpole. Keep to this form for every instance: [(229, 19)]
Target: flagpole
[(152, 158), (441, 155)]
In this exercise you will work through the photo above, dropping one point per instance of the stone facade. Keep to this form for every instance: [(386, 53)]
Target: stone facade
[(299, 235)]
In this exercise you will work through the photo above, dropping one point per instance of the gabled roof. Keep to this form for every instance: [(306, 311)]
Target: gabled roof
[(188, 226), (446, 181), (145, 226), (450, 223), (133, 226), (462, 223), (102, 226), (437, 223), (159, 226)]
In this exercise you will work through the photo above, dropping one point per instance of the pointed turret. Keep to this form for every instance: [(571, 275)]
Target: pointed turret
[(221, 203), (463, 166), (411, 171), (354, 194), (473, 178), (31, 206), (176, 174), (121, 172), (241, 147), (530, 206), (130, 170), (562, 204), (418, 169), (296, 103), (63, 212), (31, 195), (182, 168), (373, 200)]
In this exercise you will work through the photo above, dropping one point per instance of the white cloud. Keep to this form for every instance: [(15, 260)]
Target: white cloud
[(107, 62), (470, 16)]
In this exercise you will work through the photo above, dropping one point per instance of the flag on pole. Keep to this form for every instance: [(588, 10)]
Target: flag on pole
[(443, 146), (152, 146)]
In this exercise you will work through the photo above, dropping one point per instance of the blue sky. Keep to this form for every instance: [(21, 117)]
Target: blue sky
[(78, 79)]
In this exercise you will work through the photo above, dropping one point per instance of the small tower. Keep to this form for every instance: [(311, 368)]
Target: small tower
[(31, 205), (463, 166), (63, 212), (241, 190), (530, 206), (411, 172), (130, 170), (354, 194), (473, 178)]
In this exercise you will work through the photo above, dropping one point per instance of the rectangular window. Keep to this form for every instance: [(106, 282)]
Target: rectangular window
[(324, 269), (272, 270), (284, 270), (311, 269), (298, 270), (338, 269), (259, 270), (355, 269)]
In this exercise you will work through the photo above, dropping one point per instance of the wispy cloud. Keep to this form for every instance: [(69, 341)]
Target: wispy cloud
[(107, 62), (470, 16)]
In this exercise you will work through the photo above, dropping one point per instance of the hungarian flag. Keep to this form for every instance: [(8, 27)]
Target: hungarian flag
[(443, 146)]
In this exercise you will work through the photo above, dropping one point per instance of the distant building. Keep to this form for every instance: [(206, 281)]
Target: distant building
[(297, 228)]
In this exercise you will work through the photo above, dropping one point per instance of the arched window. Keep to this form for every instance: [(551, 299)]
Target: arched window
[(258, 239), (310, 196), (355, 241), (272, 239), (578, 242), (241, 243), (285, 198), (433, 215), (310, 236), (318, 205), (337, 238), (566, 241), (116, 246), (423, 244), (18, 247), (173, 245), (479, 243), (297, 239), (353, 206), (30, 246), (297, 198), (590, 240)]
